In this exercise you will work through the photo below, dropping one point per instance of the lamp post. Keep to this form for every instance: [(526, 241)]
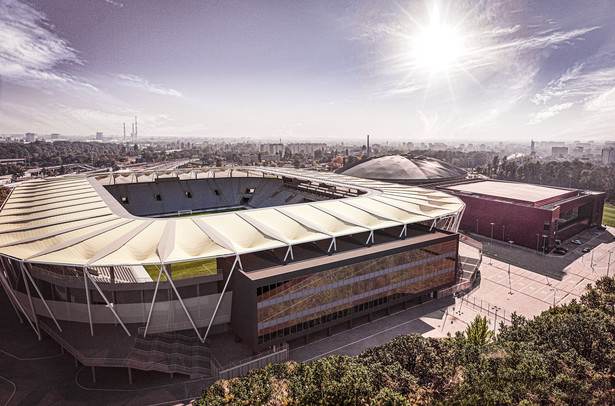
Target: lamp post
[(495, 324), (608, 266), (554, 290), (476, 226), (544, 237), (537, 242), (503, 228), (510, 243)]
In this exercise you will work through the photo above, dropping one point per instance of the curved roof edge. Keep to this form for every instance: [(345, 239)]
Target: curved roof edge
[(72, 220)]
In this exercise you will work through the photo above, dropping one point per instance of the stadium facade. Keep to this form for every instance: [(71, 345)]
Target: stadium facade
[(111, 266), (533, 216)]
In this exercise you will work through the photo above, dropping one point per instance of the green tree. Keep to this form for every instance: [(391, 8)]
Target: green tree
[(478, 332)]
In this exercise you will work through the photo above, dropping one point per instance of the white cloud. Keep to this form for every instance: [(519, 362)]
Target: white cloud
[(548, 112), (30, 51), (138, 82), (115, 3)]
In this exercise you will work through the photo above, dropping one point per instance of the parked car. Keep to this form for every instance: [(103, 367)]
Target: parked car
[(586, 249), (601, 228), (576, 242), (559, 252)]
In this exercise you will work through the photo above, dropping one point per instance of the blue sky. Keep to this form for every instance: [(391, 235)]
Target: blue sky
[(301, 70)]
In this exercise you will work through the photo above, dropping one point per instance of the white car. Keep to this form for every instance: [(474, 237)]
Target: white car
[(576, 242)]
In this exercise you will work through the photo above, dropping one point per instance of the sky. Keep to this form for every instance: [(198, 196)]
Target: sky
[(406, 71)]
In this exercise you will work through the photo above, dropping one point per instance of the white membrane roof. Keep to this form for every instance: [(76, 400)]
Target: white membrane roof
[(73, 220)]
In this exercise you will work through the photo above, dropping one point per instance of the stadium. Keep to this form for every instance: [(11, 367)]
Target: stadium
[(139, 270)]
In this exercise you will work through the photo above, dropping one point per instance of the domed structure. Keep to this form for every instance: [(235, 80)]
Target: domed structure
[(406, 169)]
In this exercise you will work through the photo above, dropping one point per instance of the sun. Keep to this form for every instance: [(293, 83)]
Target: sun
[(436, 47)]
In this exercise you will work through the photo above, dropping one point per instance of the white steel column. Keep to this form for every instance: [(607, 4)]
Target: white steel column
[(38, 329), (182, 303), (25, 269), (289, 251), (370, 237), (332, 245), (404, 231), (109, 305), (213, 316), (151, 309), (87, 297), (14, 299)]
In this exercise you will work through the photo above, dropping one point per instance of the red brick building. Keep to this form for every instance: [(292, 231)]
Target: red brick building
[(532, 216)]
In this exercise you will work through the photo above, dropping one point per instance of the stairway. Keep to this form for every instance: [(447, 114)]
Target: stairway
[(171, 353)]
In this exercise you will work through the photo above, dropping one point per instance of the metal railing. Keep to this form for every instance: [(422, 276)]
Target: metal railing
[(174, 362), (483, 306), (278, 353)]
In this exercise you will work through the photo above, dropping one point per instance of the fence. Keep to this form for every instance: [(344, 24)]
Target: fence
[(483, 306), (277, 354)]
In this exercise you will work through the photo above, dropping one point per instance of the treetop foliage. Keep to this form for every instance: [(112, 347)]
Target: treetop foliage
[(565, 356)]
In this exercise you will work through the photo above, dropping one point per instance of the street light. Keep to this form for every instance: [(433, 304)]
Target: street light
[(554, 290), (608, 266), (510, 243), (544, 236), (495, 324), (503, 228), (476, 226), (537, 241)]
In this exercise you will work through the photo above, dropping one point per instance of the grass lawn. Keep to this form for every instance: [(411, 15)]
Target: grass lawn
[(185, 270), (608, 216)]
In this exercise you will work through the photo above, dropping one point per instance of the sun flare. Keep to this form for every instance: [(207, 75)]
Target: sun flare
[(436, 47)]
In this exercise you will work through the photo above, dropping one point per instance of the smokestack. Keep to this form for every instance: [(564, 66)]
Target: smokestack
[(136, 130), (367, 145), (124, 131)]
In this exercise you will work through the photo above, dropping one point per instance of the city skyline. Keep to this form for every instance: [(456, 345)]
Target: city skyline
[(412, 71)]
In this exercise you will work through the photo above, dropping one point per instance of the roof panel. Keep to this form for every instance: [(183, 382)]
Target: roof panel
[(73, 220)]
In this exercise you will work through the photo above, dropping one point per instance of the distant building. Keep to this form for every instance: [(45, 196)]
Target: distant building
[(306, 148), (249, 159), (30, 137), (273, 149), (559, 152), (99, 136), (55, 136), (608, 155), (532, 149), (577, 152)]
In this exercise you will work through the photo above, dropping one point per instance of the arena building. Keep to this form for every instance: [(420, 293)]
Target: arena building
[(404, 169), (533, 216), (114, 266)]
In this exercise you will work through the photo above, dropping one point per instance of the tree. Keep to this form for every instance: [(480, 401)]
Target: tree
[(478, 332)]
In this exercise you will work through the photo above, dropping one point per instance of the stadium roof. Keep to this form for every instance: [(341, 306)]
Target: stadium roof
[(518, 192), (407, 169), (73, 220)]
